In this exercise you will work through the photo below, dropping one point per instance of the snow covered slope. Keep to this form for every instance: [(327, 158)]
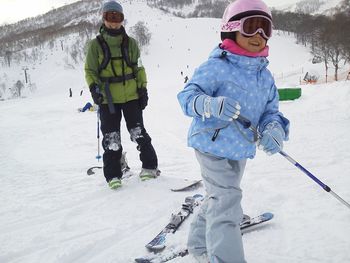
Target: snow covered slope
[(51, 211), (313, 7)]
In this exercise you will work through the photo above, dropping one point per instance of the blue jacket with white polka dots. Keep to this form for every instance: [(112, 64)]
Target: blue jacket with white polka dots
[(248, 81)]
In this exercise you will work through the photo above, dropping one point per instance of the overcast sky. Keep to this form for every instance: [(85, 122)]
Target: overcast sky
[(14, 10)]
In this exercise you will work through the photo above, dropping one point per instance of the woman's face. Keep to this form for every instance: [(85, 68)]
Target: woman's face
[(113, 25), (252, 44)]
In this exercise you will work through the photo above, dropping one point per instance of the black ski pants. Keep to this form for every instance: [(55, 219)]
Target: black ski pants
[(111, 143)]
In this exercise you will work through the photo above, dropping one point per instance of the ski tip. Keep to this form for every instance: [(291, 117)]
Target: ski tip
[(155, 248), (188, 187), (141, 260), (90, 171)]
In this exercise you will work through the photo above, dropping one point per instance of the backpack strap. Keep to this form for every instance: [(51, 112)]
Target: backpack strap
[(125, 51), (106, 52), (125, 54)]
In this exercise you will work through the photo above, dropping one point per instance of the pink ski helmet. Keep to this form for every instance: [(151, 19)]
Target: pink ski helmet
[(240, 9)]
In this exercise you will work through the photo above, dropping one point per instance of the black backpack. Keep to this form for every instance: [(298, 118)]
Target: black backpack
[(107, 57)]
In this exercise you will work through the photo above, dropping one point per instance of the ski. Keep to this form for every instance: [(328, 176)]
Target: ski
[(158, 243), (91, 171), (164, 257), (251, 222), (248, 224), (188, 185), (126, 172), (124, 167)]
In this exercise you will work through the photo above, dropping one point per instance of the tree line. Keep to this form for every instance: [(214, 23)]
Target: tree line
[(327, 36)]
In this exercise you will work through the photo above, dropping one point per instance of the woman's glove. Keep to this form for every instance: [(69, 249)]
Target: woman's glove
[(143, 97), (223, 108), (96, 94), (272, 138)]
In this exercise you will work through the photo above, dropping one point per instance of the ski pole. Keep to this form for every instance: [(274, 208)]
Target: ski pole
[(98, 156), (248, 125)]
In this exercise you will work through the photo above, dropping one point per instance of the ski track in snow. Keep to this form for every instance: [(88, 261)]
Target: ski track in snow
[(51, 211)]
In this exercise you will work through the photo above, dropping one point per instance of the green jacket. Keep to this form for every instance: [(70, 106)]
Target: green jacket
[(121, 92)]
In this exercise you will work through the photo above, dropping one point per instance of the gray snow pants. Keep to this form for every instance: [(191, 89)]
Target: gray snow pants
[(215, 230)]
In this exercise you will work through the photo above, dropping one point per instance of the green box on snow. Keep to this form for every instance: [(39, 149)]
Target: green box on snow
[(289, 93)]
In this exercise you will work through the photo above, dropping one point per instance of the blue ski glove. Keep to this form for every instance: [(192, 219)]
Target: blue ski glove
[(272, 138), (223, 108)]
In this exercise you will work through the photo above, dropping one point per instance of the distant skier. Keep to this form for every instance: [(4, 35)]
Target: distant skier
[(234, 80), (88, 106), (70, 93), (186, 79), (117, 82)]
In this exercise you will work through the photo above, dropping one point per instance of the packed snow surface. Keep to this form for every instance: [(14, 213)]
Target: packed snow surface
[(51, 211)]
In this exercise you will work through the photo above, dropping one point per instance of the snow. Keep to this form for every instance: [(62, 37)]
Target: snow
[(51, 211)]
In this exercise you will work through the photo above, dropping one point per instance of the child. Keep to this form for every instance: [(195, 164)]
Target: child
[(233, 81)]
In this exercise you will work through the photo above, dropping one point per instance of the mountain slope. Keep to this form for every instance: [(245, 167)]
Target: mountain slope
[(51, 211), (313, 7)]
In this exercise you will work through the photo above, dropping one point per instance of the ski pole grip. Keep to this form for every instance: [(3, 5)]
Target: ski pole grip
[(245, 122)]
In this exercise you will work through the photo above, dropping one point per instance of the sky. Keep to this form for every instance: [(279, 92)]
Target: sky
[(12, 11)]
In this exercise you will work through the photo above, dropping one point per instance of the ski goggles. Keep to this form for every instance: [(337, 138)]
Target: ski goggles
[(250, 25), (113, 17)]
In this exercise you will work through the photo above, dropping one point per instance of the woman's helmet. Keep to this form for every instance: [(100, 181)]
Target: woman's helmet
[(112, 12)]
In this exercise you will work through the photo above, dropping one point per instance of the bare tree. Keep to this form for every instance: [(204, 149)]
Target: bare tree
[(327, 36), (141, 33), (17, 89), (308, 6), (74, 52), (2, 90), (336, 41), (8, 56)]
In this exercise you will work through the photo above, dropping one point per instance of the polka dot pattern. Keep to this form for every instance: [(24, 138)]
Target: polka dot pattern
[(245, 79)]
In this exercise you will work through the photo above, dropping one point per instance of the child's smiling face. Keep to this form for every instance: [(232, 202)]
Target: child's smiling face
[(252, 44)]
